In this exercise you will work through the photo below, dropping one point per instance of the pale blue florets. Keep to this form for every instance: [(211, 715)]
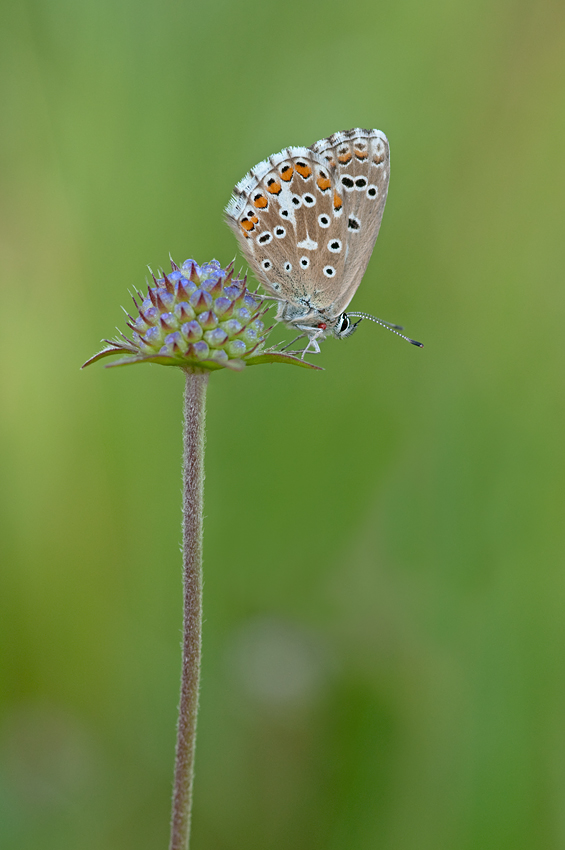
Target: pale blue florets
[(199, 313)]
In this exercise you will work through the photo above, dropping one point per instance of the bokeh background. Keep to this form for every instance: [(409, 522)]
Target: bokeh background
[(385, 540)]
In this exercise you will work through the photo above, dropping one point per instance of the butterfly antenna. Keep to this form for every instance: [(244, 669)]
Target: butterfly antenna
[(390, 327)]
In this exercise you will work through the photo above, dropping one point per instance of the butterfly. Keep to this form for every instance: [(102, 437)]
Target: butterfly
[(307, 220)]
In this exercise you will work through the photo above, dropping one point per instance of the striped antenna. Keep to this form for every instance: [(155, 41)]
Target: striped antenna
[(388, 325)]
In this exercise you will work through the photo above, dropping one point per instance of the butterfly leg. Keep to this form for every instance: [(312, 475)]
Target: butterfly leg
[(312, 339), (284, 348)]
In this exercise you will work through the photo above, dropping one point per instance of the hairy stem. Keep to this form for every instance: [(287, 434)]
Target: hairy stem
[(193, 491)]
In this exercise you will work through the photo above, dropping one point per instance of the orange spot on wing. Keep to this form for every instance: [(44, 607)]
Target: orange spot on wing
[(254, 219), (338, 203), (247, 225), (323, 183), (304, 170), (287, 172), (260, 202), (378, 158), (360, 154), (345, 158), (274, 188)]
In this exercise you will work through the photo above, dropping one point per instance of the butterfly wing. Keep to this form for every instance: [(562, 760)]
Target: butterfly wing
[(275, 212), (307, 220), (361, 163)]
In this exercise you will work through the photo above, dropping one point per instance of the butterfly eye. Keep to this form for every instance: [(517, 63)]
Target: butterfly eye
[(280, 232), (296, 200), (360, 183), (266, 265), (329, 271), (334, 246), (284, 213), (342, 325), (372, 192), (309, 201), (288, 267), (353, 223), (265, 238), (304, 262), (323, 221), (347, 183)]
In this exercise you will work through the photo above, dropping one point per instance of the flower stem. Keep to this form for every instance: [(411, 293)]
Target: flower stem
[(193, 491)]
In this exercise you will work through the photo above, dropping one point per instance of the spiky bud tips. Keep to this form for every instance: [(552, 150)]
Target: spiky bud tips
[(197, 317)]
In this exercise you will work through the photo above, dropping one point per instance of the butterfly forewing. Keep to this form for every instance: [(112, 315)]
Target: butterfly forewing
[(307, 218), (362, 166)]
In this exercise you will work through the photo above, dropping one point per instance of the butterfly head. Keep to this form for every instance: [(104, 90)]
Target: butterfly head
[(344, 327)]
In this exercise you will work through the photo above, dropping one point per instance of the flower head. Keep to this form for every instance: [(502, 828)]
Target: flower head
[(199, 318)]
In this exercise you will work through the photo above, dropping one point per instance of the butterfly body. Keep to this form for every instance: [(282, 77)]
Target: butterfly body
[(307, 220)]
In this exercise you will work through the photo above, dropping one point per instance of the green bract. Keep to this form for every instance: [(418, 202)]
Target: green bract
[(199, 318)]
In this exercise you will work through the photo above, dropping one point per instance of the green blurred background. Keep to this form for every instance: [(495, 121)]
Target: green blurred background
[(384, 550)]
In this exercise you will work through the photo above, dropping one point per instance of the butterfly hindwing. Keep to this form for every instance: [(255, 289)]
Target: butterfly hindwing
[(277, 212)]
